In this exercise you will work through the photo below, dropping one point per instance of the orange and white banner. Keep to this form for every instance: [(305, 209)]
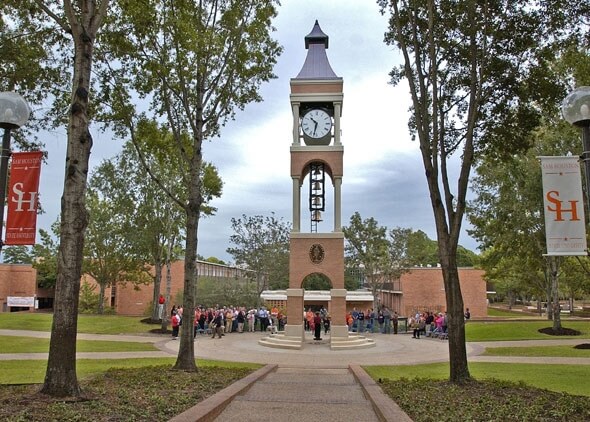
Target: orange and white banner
[(563, 203), (23, 193)]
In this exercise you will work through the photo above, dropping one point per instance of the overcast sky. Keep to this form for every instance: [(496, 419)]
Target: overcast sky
[(383, 172)]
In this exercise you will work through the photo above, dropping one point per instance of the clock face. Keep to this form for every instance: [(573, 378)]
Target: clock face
[(316, 123)]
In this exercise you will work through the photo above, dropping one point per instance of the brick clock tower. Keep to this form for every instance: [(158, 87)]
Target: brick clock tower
[(316, 154)]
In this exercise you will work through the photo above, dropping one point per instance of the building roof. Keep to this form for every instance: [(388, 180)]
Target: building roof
[(319, 295), (316, 64)]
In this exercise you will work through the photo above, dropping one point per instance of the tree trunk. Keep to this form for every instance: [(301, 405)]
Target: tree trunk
[(102, 289), (186, 352), (459, 370), (553, 268), (156, 292), (83, 22), (165, 319), (60, 376)]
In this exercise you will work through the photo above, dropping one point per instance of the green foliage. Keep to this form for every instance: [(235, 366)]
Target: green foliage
[(108, 255), (45, 254), (17, 255), (230, 292), (261, 245), (379, 255), (34, 62), (88, 299), (316, 281), (197, 62), (214, 260)]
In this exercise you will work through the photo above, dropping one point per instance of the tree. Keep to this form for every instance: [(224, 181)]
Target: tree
[(81, 22), (197, 62), (422, 250), (32, 63), (508, 217), (45, 261), (262, 248), (17, 255), (476, 72), (381, 256), (109, 255)]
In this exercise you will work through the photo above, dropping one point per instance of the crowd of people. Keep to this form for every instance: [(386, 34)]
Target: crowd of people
[(220, 320), (430, 324), (384, 320)]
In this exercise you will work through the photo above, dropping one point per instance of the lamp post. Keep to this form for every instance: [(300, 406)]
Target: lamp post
[(14, 112), (575, 108)]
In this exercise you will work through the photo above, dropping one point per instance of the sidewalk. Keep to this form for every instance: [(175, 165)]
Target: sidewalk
[(390, 349)]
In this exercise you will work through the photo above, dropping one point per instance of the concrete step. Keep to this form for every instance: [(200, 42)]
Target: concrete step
[(280, 341), (351, 343)]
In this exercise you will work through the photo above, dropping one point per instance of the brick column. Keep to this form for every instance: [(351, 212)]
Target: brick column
[(294, 327), (338, 327)]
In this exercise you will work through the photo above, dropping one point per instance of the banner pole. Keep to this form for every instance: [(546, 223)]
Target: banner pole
[(586, 159), (3, 179)]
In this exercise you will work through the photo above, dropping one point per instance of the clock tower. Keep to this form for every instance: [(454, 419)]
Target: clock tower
[(316, 156)]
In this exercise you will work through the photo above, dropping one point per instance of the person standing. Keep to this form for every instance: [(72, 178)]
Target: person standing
[(395, 319), (241, 318), (161, 301), (229, 316), (361, 322), (386, 321), (218, 321), (317, 326), (251, 320), (467, 314), (175, 325)]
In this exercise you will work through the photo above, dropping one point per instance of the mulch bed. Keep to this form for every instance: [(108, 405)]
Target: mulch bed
[(561, 332)]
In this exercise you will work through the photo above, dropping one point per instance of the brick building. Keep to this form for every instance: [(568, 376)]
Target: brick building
[(418, 290)]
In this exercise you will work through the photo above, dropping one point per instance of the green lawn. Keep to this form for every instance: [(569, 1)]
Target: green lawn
[(539, 351), (520, 330), (95, 324), (13, 344), (571, 379), (33, 371)]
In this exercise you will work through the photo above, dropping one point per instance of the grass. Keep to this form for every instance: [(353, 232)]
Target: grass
[(33, 371), (13, 344), (520, 330), (94, 324), (571, 379), (539, 351)]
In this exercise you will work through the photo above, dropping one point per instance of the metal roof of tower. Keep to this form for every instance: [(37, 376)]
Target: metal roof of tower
[(316, 64)]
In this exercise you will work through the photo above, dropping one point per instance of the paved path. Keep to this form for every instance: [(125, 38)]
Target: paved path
[(390, 349)]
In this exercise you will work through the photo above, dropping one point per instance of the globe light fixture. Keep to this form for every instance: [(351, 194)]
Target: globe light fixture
[(575, 109), (14, 112)]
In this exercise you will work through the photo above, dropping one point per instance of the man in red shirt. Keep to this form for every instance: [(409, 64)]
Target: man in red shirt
[(161, 301)]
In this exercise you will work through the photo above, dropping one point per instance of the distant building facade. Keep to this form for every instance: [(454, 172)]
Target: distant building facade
[(421, 289)]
